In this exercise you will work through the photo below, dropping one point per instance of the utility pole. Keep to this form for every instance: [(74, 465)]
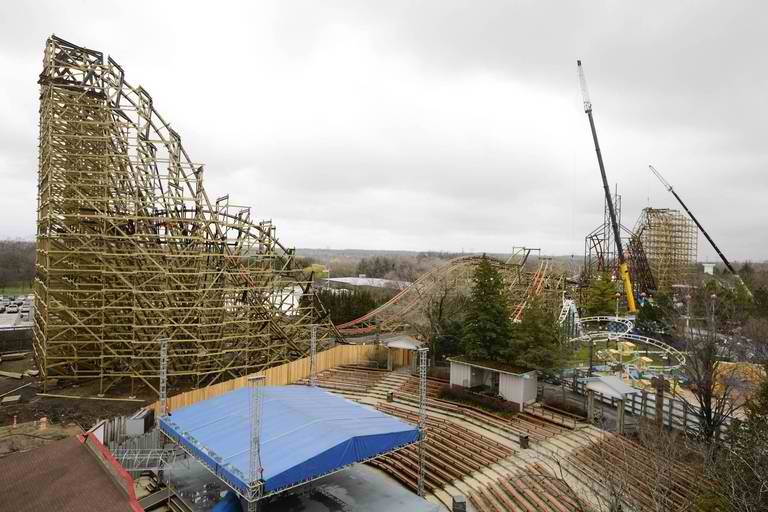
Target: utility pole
[(623, 266)]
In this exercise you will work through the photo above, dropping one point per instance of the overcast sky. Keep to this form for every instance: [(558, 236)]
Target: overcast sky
[(443, 125)]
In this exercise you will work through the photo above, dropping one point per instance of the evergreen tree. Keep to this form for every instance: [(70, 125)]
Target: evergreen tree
[(488, 327), (536, 340), (601, 297)]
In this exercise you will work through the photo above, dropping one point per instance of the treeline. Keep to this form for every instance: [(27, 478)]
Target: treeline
[(17, 263), (345, 304), (402, 268)]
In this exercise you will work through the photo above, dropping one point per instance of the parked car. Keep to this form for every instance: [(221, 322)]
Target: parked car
[(2, 309), (12, 309), (25, 309)]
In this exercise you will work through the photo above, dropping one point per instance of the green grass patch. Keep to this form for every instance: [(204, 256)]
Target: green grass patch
[(17, 289)]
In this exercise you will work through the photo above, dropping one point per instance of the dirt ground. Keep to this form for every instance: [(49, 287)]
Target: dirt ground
[(61, 411), (27, 436)]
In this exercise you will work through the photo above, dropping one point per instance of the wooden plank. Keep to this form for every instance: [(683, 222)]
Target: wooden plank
[(76, 397)]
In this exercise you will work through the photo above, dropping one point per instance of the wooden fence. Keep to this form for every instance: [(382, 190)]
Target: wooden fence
[(676, 413), (289, 373)]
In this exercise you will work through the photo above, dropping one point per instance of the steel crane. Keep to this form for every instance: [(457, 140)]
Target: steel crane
[(623, 266), (728, 265)]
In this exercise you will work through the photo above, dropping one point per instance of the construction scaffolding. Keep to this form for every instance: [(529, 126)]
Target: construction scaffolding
[(670, 240), (600, 245), (130, 249), (600, 252)]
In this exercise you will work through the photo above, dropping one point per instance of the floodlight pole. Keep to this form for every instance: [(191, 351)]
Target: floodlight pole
[(255, 383), (422, 353), (313, 357), (163, 376)]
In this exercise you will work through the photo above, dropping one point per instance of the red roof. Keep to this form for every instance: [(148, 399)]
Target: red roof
[(75, 474)]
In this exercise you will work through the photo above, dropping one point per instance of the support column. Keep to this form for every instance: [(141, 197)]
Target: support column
[(659, 402), (621, 415), (313, 357), (163, 376), (255, 383), (590, 406), (422, 353)]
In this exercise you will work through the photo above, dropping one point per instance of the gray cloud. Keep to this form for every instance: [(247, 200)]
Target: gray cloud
[(429, 125)]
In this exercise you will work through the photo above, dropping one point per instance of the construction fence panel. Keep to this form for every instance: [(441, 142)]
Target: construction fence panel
[(289, 373)]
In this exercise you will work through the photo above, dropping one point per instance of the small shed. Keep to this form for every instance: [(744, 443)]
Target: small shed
[(512, 384), (611, 387), (407, 345)]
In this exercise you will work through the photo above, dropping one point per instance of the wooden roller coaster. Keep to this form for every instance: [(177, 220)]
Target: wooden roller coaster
[(409, 304), (130, 248)]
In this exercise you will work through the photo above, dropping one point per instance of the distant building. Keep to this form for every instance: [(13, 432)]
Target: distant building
[(373, 282), (513, 385), (709, 268)]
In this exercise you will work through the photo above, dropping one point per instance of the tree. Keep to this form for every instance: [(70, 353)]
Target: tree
[(741, 471), (536, 339), (601, 297), (653, 316), (711, 382), (440, 319), (345, 304), (488, 327)]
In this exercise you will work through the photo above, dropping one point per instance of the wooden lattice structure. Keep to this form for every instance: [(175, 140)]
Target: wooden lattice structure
[(130, 249), (670, 241), (409, 307)]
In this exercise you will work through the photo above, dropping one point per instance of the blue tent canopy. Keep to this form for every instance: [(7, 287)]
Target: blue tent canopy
[(306, 432)]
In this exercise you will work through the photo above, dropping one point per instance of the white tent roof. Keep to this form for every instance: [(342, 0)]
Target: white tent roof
[(610, 386), (405, 342)]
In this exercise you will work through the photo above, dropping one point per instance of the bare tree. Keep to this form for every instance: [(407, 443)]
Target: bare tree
[(441, 305), (712, 383)]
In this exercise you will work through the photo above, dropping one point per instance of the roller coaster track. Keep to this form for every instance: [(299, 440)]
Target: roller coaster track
[(595, 336), (407, 306)]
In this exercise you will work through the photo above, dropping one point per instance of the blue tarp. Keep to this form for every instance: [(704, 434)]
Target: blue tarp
[(306, 432)]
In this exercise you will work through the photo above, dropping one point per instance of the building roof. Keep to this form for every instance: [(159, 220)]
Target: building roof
[(65, 476), (610, 386), (306, 432), (486, 364), (403, 341)]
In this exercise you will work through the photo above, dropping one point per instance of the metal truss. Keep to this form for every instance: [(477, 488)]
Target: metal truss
[(600, 252), (422, 352), (130, 248), (147, 460), (408, 306)]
